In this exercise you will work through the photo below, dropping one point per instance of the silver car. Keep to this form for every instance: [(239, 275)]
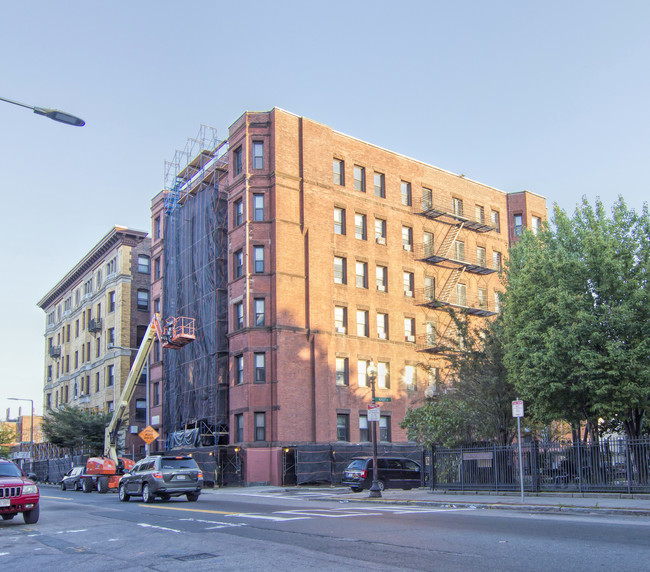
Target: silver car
[(162, 476)]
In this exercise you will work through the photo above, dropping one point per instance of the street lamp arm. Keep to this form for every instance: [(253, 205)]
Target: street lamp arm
[(55, 114)]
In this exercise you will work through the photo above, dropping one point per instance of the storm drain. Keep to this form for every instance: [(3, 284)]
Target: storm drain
[(192, 557)]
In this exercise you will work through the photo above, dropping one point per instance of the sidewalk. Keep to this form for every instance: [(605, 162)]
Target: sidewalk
[(569, 503)]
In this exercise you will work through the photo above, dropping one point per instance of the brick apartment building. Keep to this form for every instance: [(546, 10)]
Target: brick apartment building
[(339, 253), (94, 315)]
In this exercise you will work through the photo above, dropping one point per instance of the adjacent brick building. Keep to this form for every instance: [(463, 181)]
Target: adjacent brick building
[(339, 254), (95, 315)]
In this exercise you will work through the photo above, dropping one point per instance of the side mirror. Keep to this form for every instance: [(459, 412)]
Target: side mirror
[(31, 476)]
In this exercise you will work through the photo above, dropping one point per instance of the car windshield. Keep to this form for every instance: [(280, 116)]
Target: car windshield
[(178, 464), (9, 470)]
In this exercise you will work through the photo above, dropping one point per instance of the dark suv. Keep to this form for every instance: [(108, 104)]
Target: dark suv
[(17, 494), (163, 476), (394, 473)]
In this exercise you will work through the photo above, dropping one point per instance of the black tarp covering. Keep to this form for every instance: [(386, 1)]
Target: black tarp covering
[(195, 377)]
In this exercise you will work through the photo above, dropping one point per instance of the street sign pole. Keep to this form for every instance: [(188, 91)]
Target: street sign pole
[(518, 412)]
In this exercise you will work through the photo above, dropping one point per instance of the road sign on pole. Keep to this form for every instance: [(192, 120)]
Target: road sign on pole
[(374, 412), (518, 408)]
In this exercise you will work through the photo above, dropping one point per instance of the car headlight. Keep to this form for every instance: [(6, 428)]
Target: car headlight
[(30, 489)]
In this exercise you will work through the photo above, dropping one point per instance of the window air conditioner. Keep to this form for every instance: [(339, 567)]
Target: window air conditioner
[(380, 240), (381, 335), (407, 247), (410, 338), (340, 329), (381, 288), (408, 293)]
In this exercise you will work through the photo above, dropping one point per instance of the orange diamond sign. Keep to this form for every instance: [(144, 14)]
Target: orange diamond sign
[(149, 434)]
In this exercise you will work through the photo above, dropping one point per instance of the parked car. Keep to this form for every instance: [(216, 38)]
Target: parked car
[(18, 493), (162, 476), (394, 473), (72, 479)]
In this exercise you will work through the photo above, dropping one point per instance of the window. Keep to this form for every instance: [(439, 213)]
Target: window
[(481, 258), (342, 427), (364, 433), (495, 221), (482, 298), (110, 334), (239, 427), (258, 255), (461, 294), (260, 319), (359, 178), (260, 427), (239, 315), (380, 231), (339, 172), (536, 224), (98, 345), (380, 185), (143, 300), (111, 301), (340, 270), (360, 226), (381, 277), (238, 264), (518, 224), (156, 305), (156, 394), (340, 319), (339, 220), (238, 207), (144, 264), (258, 155), (410, 379), (409, 279), (459, 250), (384, 428), (67, 329), (238, 163), (239, 369), (480, 214), (157, 269), (362, 323), (428, 243), (382, 326), (97, 381), (407, 238), (109, 404), (157, 228), (258, 208), (427, 199), (432, 337), (260, 367), (383, 379), (409, 330), (362, 274), (110, 375), (457, 206), (76, 360), (342, 373), (496, 260), (406, 193), (76, 329), (362, 373)]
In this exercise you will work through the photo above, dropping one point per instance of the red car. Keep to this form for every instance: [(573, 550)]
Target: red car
[(17, 494)]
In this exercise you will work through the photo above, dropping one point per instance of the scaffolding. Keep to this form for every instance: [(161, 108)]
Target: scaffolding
[(194, 284)]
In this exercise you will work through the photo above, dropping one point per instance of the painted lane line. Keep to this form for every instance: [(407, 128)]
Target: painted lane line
[(203, 510), (220, 524), (145, 525), (268, 517)]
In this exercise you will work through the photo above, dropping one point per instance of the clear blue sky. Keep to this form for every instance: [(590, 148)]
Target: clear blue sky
[(549, 96)]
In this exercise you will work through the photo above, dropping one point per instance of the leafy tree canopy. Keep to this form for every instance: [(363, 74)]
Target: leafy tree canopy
[(76, 428), (7, 437), (577, 317)]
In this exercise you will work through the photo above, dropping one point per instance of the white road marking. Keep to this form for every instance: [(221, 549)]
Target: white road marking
[(215, 522), (145, 525), (269, 517), (332, 513)]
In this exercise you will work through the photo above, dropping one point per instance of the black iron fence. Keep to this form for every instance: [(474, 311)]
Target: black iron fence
[(620, 465)]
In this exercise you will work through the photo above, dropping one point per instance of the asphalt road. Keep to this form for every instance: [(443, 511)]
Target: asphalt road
[(242, 530)]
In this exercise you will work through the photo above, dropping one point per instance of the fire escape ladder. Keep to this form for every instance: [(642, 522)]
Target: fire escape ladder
[(450, 239), (450, 285)]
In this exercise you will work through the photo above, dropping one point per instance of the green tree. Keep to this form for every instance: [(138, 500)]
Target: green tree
[(75, 428), (475, 405), (577, 318), (7, 436)]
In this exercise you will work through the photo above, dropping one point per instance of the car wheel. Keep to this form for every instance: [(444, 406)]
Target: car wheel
[(165, 497), (87, 485), (124, 496), (192, 497), (356, 489), (7, 516), (31, 516), (102, 485), (62, 486), (146, 494)]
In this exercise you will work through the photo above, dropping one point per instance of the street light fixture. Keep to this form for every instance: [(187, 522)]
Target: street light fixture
[(55, 114), (375, 491), (31, 433)]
